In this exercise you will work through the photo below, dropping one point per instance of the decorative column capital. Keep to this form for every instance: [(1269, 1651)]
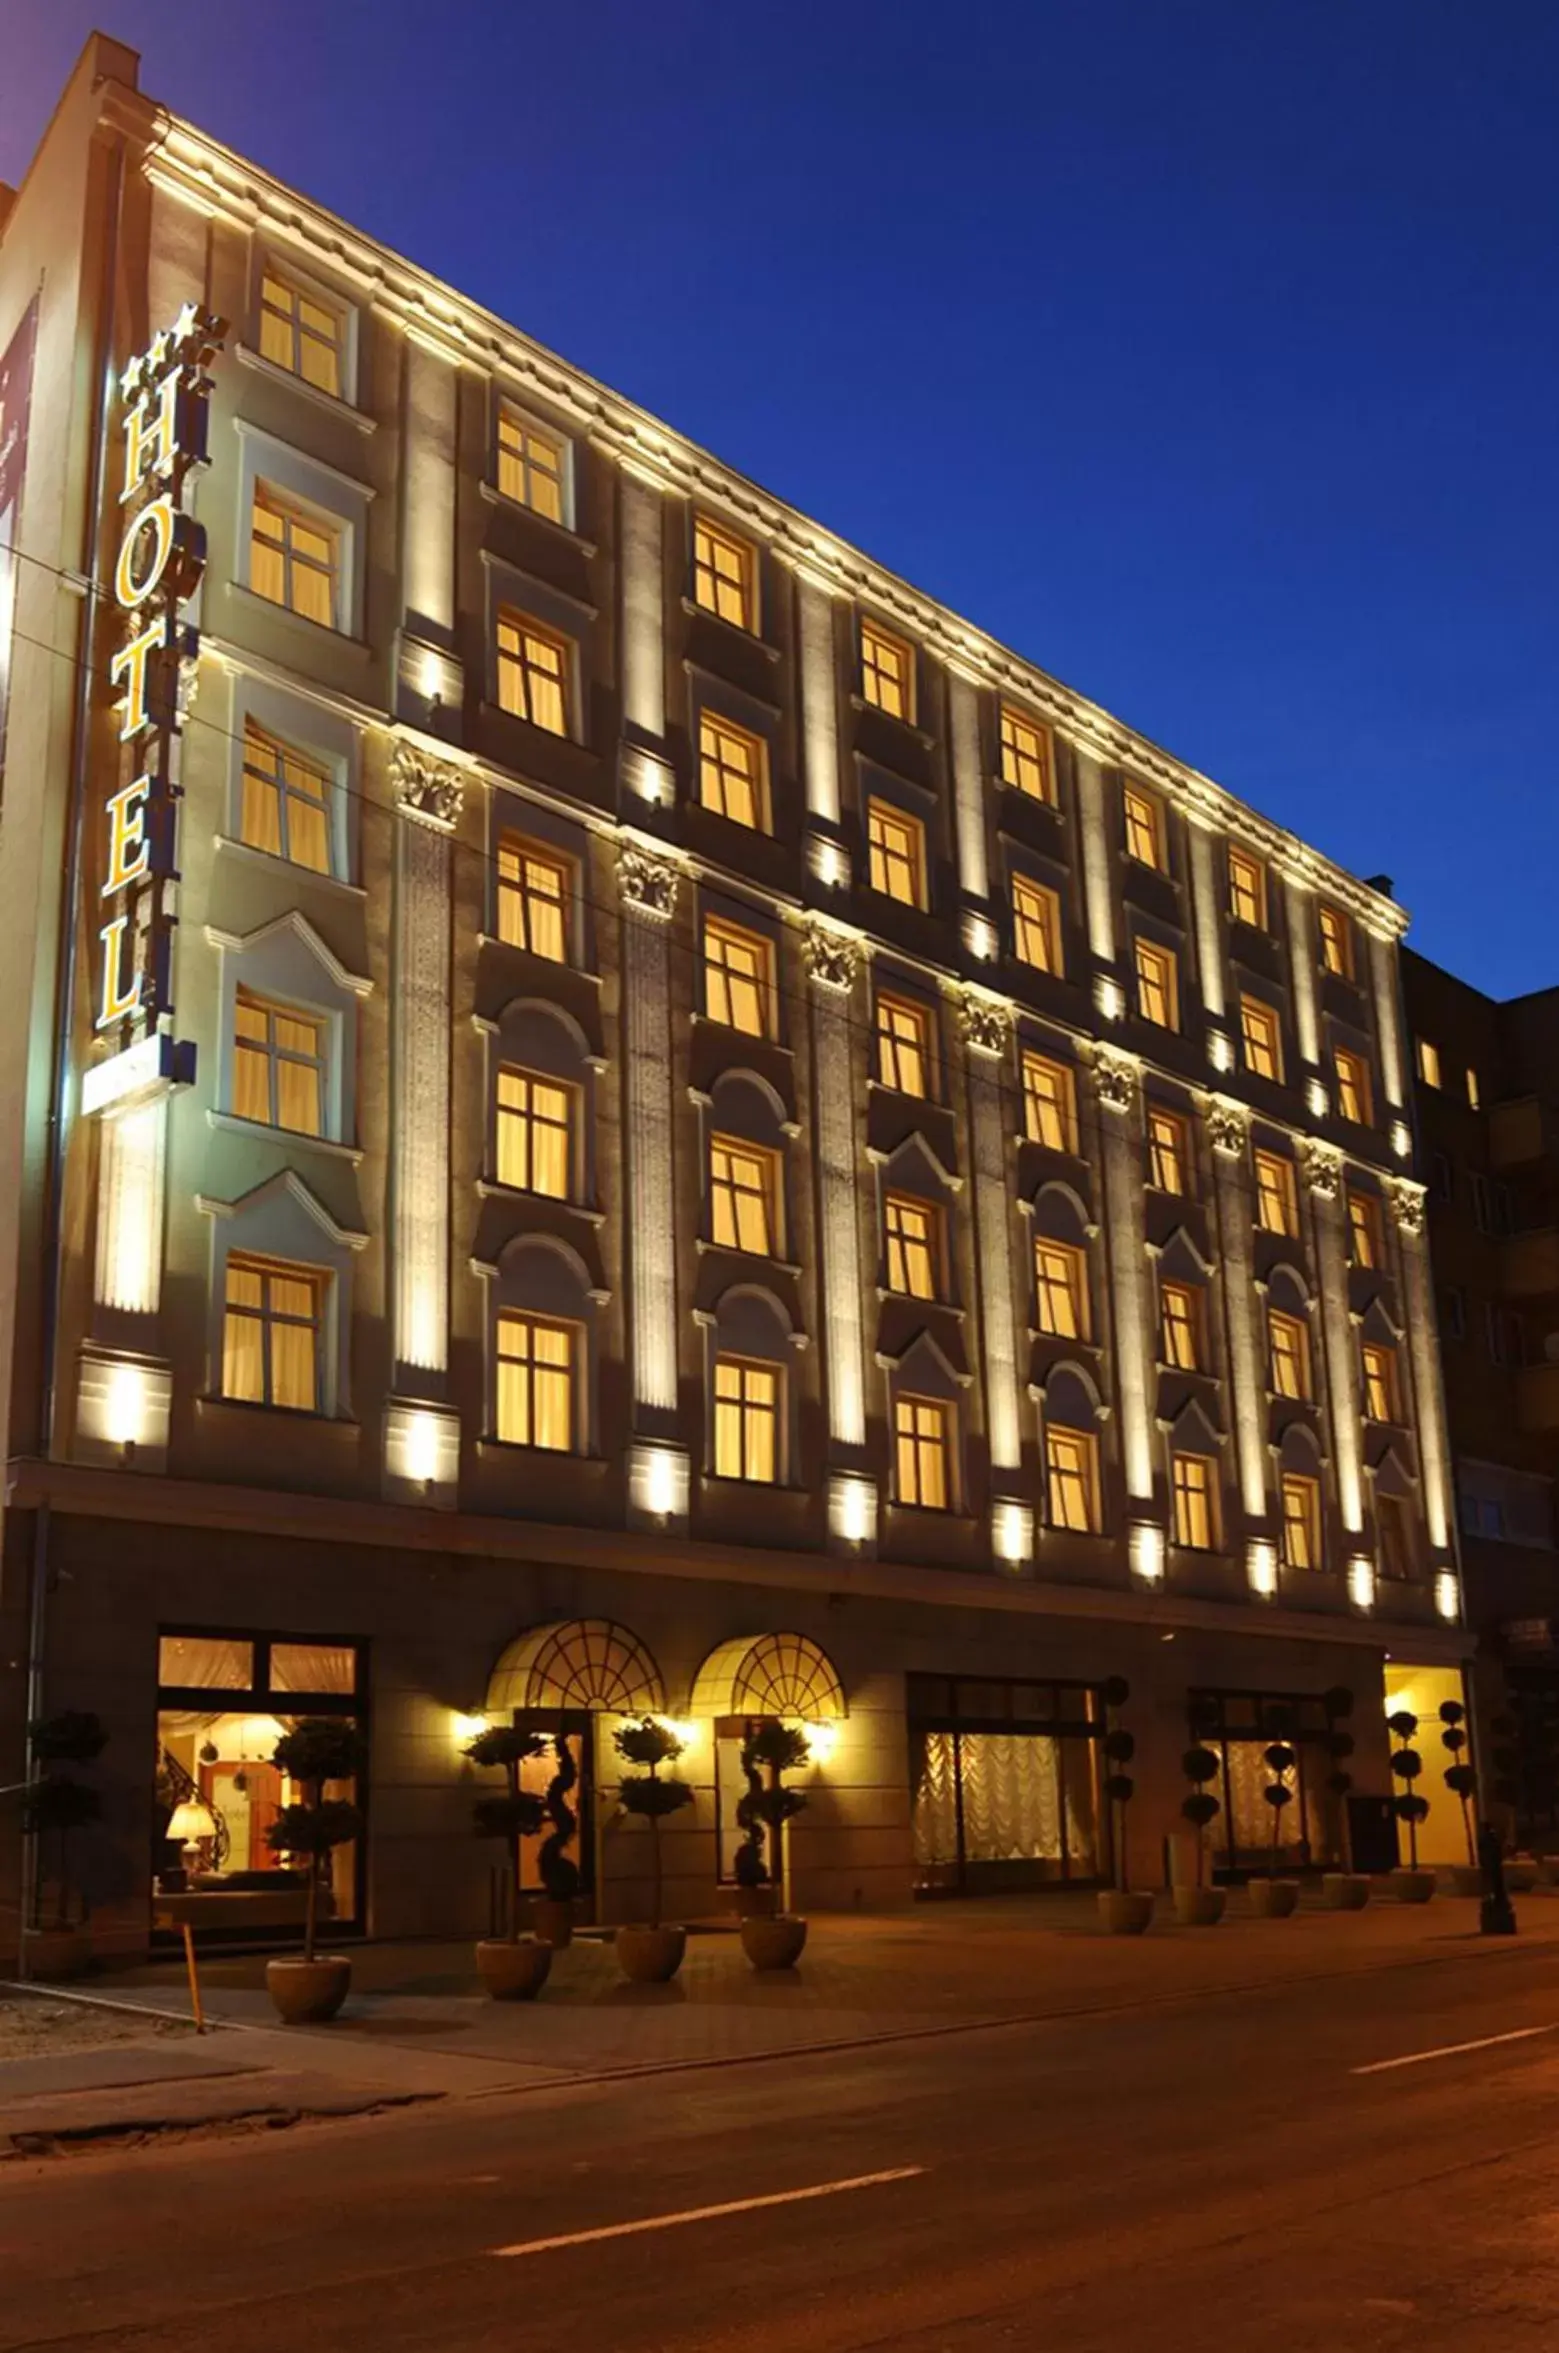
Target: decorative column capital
[(1116, 1077), (648, 883), (986, 1023), (1228, 1126), (1321, 1165), (426, 790), (1407, 1203), (833, 957)]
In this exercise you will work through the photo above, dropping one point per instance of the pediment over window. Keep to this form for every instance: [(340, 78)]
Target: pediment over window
[(1192, 1429), (924, 1367), (1179, 1257), (276, 937), (1392, 1474), (1375, 1325), (290, 1210)]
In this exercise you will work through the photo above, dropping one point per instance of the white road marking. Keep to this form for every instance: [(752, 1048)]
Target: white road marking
[(625, 2230), (1485, 2042)]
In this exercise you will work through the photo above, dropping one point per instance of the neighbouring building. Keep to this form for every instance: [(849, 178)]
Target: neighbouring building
[(613, 1111)]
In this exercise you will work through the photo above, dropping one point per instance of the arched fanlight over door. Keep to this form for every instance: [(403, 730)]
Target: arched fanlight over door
[(787, 1675), (578, 1664)]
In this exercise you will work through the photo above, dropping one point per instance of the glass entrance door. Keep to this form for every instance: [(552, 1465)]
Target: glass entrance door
[(566, 1769)]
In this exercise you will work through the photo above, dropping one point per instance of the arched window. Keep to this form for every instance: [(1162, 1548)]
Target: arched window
[(750, 1347), (541, 1102), (1063, 1302), (1069, 1435), (746, 1133), (542, 1347)]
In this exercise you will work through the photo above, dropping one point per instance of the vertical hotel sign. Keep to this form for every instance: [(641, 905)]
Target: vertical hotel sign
[(166, 398)]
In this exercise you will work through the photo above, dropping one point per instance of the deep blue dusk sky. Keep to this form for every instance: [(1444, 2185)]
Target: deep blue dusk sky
[(1205, 352)]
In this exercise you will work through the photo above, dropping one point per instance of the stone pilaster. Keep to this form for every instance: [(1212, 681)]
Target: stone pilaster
[(1434, 1453), (987, 1027), (1321, 1166), (643, 608), (833, 961), (819, 697), (428, 800), (1388, 1019), (1302, 970), (648, 885), (1118, 1094), (1228, 1131), (968, 785), (1206, 900)]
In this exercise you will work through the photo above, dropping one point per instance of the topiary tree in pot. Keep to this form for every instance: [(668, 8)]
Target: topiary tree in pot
[(1412, 1885), (513, 1968), (318, 1751), (650, 1952), (1277, 1897), (560, 1875), (1460, 1779), (756, 1895), (55, 1806), (768, 1754), (1198, 1905), (1124, 1910)]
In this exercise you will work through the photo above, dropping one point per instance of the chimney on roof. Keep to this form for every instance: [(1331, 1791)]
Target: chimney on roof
[(1382, 883)]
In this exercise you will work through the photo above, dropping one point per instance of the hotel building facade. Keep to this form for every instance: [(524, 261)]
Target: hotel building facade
[(610, 1110)]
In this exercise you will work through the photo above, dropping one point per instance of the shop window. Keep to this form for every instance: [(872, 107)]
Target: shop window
[(896, 853), (1144, 820), (536, 1382), (295, 557), (1277, 1199), (1261, 1039), (1004, 1784), (922, 1452), (733, 772), (285, 804), (1169, 1150), (1247, 889), (1049, 1103), (912, 1246), (743, 1191), (1061, 1290), (1026, 756), (903, 1044), (747, 1420), (1336, 942), (535, 1134), (1194, 1482), (272, 1333), (1036, 925), (534, 890), (887, 672), (532, 466), (738, 977), (1301, 1534), (1158, 984), (534, 666), (725, 574)]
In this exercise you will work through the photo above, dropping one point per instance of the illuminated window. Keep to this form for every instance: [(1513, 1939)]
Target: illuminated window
[(278, 1065), (1195, 1483), (1179, 1327), (731, 772), (1261, 1038), (1169, 1150), (747, 1403), (533, 895), (535, 1383), (1071, 1479), (1049, 1103), (910, 1236), (286, 802), (532, 673), (1380, 1381), (1036, 924), (535, 1134), (1144, 826), (1336, 942), (903, 1044), (1364, 1229), (271, 1333), (920, 1429), (1025, 756), (1247, 888), (1301, 1521), (1158, 985), (725, 574), (531, 465), (1395, 1536), (742, 1192), (1428, 1056), (897, 850), (738, 977), (1277, 1199), (887, 672), (1353, 1085), (1474, 1093), (295, 557), (1288, 1342), (301, 332), (1061, 1290)]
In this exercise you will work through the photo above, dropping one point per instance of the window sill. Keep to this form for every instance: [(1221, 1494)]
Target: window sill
[(858, 702), (332, 403), (728, 1029), (212, 1399), (1066, 1339), (231, 1124), (490, 939), (736, 629), (489, 1189), (497, 563), (492, 710), (882, 1086), (517, 506), (273, 859), (913, 1299), (315, 629), (512, 1450), (1025, 798), (779, 1266)]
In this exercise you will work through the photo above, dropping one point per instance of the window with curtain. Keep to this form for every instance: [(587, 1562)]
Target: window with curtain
[(533, 898), (1026, 755), (1144, 826), (533, 672), (1364, 1232), (1049, 1103), (1179, 1327), (1288, 1340), (1336, 942), (278, 1065), (536, 1382), (747, 1409), (922, 1448), (1301, 1499), (1261, 1039), (300, 331), (1071, 1479), (896, 853), (887, 671), (911, 1244), (1158, 984), (738, 977), (1169, 1150), (1194, 1479), (314, 1666), (271, 1334), (1353, 1086), (531, 465), (1380, 1382), (1061, 1290), (725, 574), (743, 1190), (285, 806), (903, 1044), (1277, 1201), (1247, 889), (732, 772), (535, 1134), (1036, 924), (295, 557), (1395, 1532)]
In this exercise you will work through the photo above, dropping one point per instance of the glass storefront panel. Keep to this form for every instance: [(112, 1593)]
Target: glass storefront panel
[(1004, 1795)]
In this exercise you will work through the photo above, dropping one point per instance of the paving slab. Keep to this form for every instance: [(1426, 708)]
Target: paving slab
[(122, 2064)]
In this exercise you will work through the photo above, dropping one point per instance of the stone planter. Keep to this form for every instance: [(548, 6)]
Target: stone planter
[(1463, 1879), (306, 1993), (552, 1919), (1548, 1870), (650, 1956), (1199, 1907), (1410, 1886), (1274, 1899), (775, 1943), (53, 1954), (1344, 1891), (1521, 1874), (756, 1903), (1125, 1911), (513, 1971)]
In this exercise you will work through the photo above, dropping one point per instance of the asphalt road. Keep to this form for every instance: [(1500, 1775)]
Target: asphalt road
[(1168, 2176)]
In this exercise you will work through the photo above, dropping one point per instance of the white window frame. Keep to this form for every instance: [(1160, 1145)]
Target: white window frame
[(340, 501), (288, 964), (323, 736), (303, 281)]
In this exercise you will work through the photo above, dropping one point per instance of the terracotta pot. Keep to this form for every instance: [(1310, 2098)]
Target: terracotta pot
[(552, 1919), (1125, 1911), (650, 1956), (306, 1993), (53, 1954), (756, 1903), (776, 1943), (1199, 1907), (1464, 1879), (1344, 1891), (1274, 1899), (1521, 1874), (1410, 1886), (513, 1971)]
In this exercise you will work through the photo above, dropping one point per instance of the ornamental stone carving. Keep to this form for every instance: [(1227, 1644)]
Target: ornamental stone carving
[(648, 884), (1115, 1077), (1322, 1166), (1407, 1204), (987, 1024), (426, 790), (832, 957), (1228, 1127)]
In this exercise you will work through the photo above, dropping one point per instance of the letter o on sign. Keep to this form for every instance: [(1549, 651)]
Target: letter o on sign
[(144, 553)]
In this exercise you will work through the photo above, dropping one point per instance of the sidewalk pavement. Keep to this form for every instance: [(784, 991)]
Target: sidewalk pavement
[(418, 2026)]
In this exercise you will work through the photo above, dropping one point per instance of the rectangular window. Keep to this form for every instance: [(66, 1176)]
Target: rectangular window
[(533, 896), (1169, 1150), (535, 1134), (535, 1383), (278, 1065), (1428, 1059), (725, 574), (300, 332), (1364, 1230), (531, 465), (286, 801), (1396, 1538), (731, 772), (271, 1333), (1049, 1103), (887, 672), (1026, 762), (896, 847), (1289, 1351), (1262, 1039), (1277, 1198), (747, 1400), (1301, 1521), (1180, 1327), (532, 673), (1380, 1382), (1158, 984), (920, 1427), (911, 1245), (295, 557), (1474, 1092), (1441, 1184), (742, 1190), (1195, 1481), (1036, 924), (1247, 889), (1336, 942), (903, 1044), (1071, 1479), (738, 977), (1060, 1290), (1453, 1312), (1144, 826), (1353, 1086)]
